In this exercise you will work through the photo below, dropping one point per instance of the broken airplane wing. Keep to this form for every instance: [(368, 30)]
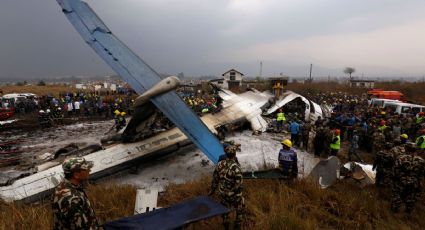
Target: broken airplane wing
[(138, 74)]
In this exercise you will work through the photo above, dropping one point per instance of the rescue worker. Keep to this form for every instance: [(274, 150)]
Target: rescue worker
[(404, 138), (335, 144), (43, 119), (382, 126), (318, 142), (354, 146), (294, 128), (227, 178), (230, 146), (280, 119), (384, 162), (71, 206), (420, 118), (378, 140), (305, 134), (408, 173), (122, 121), (288, 161), (420, 141)]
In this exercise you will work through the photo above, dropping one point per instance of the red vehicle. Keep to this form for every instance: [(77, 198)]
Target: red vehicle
[(380, 93), (6, 113)]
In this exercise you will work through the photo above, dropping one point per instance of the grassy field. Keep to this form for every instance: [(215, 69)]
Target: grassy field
[(53, 90), (270, 205)]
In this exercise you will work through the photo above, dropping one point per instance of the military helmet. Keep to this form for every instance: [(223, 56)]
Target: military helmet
[(229, 149), (287, 142), (76, 163)]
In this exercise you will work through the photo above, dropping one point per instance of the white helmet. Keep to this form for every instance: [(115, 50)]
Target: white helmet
[(48, 111), (41, 111), (59, 109)]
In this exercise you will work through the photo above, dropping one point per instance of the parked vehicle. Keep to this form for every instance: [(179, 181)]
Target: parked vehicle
[(379, 93), (404, 108), (379, 102)]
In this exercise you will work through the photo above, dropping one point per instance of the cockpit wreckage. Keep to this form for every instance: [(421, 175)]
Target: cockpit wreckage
[(157, 93)]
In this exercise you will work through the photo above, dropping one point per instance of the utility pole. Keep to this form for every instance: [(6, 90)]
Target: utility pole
[(311, 67), (261, 69)]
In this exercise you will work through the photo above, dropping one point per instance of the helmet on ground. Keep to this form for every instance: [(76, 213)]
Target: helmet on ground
[(287, 142), (117, 112), (405, 136), (75, 164), (41, 111), (382, 122), (123, 113)]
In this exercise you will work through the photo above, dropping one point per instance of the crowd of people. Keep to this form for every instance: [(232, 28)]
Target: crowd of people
[(395, 143)]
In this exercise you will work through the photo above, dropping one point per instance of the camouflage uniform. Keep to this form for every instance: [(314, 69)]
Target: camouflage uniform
[(227, 178), (305, 133), (408, 172), (71, 207), (378, 141), (384, 163)]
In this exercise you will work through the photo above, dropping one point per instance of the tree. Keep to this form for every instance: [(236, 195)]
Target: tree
[(349, 70)]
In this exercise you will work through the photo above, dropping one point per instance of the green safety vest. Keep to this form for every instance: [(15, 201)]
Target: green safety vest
[(382, 128), (281, 117), (419, 120), (337, 144), (422, 146)]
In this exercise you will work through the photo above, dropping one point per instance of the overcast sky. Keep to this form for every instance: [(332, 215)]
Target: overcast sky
[(208, 37)]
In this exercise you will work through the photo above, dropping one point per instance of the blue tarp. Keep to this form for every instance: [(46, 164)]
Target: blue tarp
[(178, 215)]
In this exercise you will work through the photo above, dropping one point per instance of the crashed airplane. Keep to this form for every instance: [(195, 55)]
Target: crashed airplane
[(252, 106)]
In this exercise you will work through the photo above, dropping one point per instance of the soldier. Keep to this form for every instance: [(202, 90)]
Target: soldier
[(378, 140), (288, 161), (409, 169), (354, 146), (383, 164), (318, 141), (227, 178), (71, 207), (305, 134)]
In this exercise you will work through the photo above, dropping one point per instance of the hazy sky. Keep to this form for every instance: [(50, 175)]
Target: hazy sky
[(208, 37)]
